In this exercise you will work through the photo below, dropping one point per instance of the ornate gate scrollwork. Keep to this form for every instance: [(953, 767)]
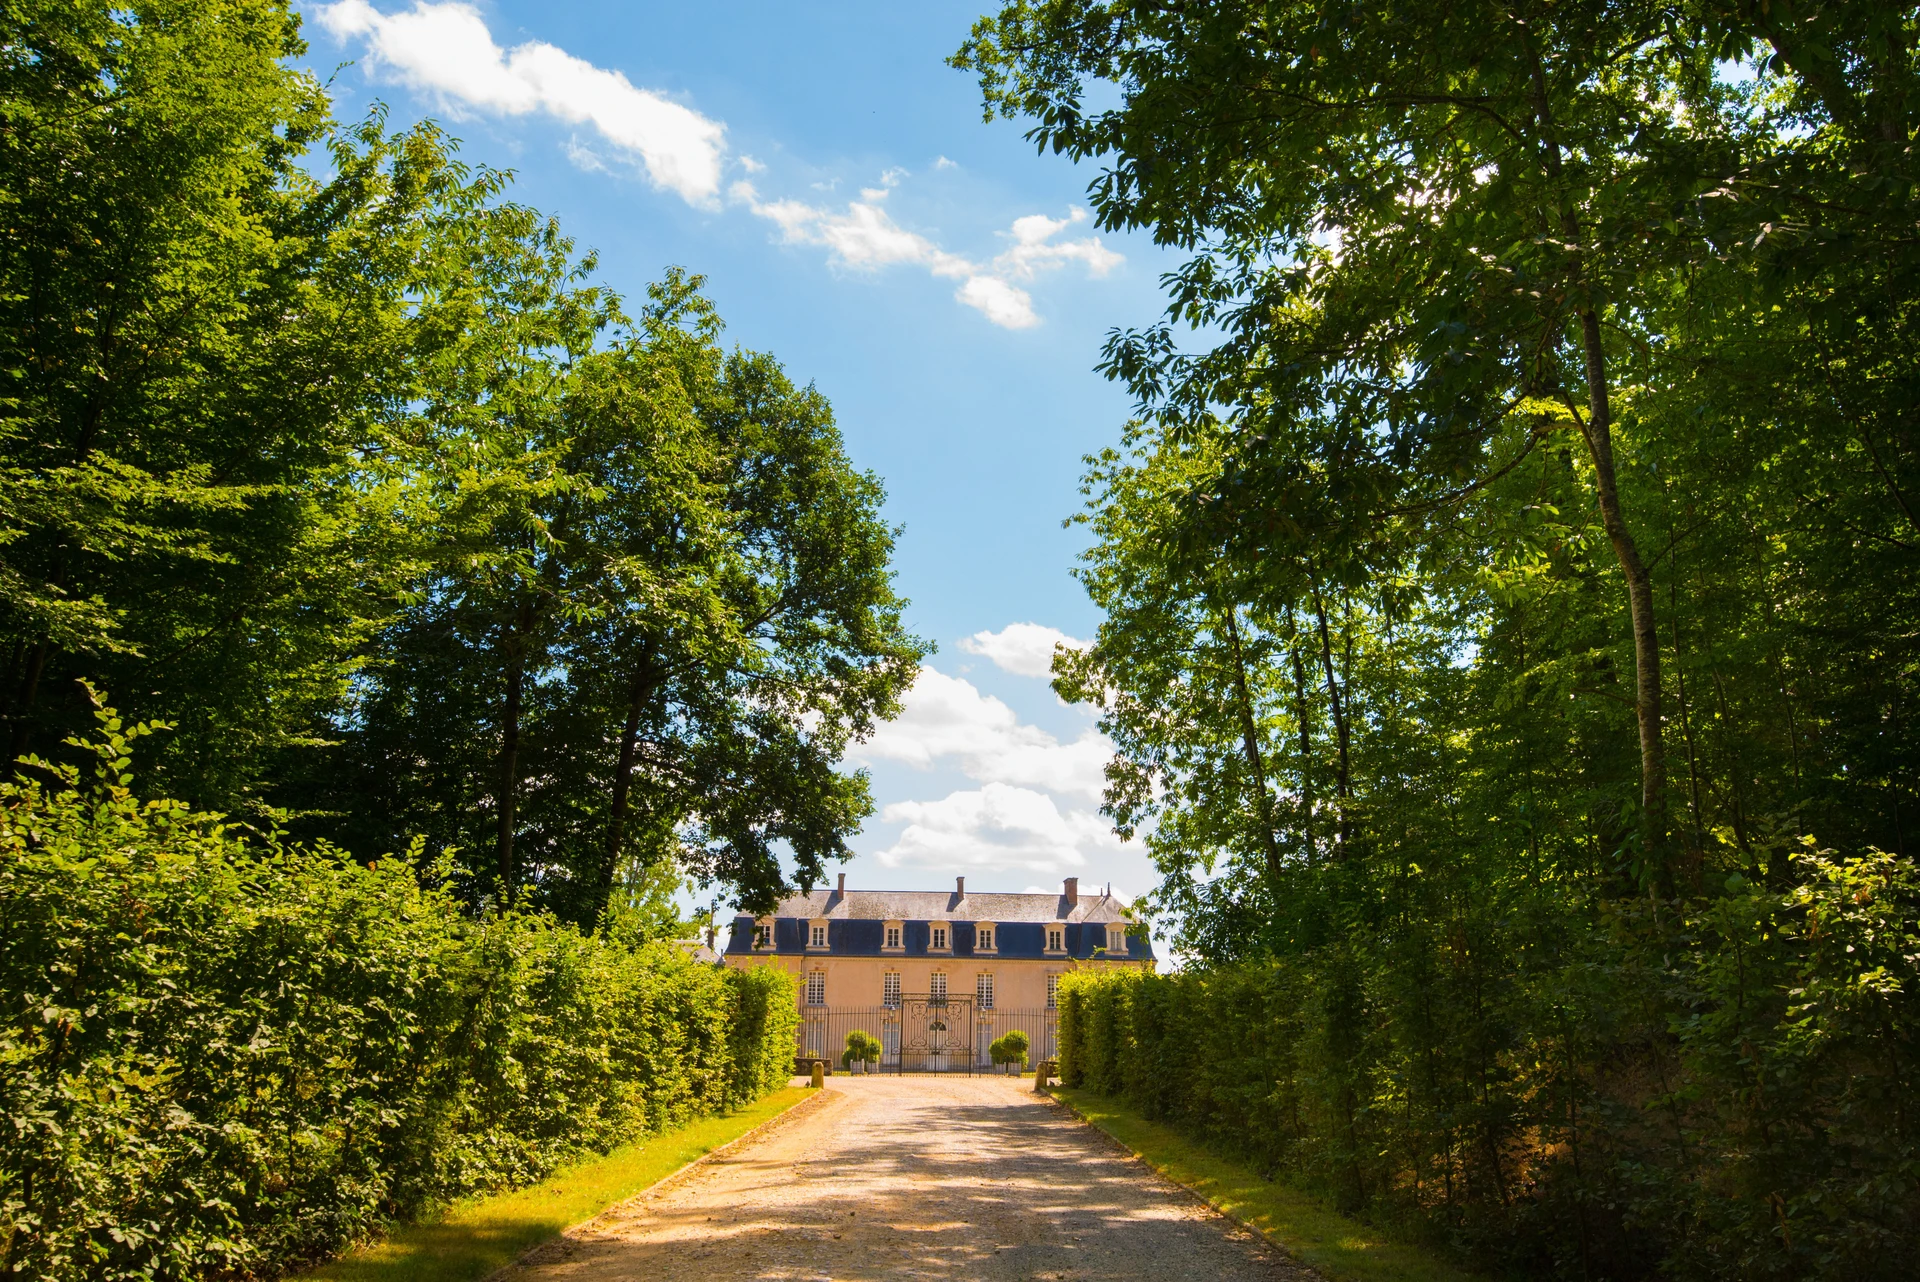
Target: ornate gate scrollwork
[(936, 1035)]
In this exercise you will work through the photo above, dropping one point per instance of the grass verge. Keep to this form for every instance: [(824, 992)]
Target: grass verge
[(1330, 1242), (475, 1237)]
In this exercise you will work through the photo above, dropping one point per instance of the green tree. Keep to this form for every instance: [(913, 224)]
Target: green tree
[(1487, 827), (1418, 231), (660, 607), (199, 335)]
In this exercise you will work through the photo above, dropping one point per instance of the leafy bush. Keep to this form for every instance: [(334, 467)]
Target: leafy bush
[(862, 1046), (223, 1055), (1721, 1089), (1010, 1049)]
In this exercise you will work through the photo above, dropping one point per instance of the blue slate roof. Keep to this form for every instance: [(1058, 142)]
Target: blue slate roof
[(856, 924)]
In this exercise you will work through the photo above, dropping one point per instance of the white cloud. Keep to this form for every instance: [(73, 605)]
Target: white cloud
[(998, 826), (1034, 249), (943, 163), (1024, 649), (585, 157), (446, 49), (946, 717), (865, 237), (1007, 306)]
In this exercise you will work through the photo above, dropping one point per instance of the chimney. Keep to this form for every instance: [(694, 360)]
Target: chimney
[(1073, 891), (842, 892), (960, 887)]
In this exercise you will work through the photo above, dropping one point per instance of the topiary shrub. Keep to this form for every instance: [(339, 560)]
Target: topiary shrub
[(1010, 1049), (862, 1047)]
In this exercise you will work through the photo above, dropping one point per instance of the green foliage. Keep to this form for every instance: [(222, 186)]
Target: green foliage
[(1725, 1095), (223, 1057), (863, 1047), (391, 510), (1010, 1048), (1513, 559), (198, 336), (658, 606)]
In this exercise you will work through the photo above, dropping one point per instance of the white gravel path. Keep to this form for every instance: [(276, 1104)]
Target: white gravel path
[(916, 1177)]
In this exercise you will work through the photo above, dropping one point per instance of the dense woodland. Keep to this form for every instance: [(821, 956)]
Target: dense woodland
[(320, 449), (456, 613), (1510, 634), (1511, 607)]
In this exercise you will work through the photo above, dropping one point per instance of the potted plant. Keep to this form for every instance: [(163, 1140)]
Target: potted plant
[(863, 1049), (1011, 1049)]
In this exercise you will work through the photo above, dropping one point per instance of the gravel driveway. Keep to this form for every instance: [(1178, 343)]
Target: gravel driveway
[(916, 1177)]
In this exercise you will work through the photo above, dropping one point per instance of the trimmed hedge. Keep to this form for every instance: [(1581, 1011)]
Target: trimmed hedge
[(1722, 1089), (224, 1057)]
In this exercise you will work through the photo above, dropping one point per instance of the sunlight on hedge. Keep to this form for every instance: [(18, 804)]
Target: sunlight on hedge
[(231, 1054)]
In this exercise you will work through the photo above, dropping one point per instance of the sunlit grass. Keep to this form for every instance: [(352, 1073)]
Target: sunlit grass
[(1337, 1246), (473, 1238)]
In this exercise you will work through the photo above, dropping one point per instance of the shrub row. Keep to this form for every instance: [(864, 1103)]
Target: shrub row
[(222, 1057), (1725, 1090)]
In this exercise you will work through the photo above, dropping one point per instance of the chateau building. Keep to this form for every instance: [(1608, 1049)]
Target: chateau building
[(994, 960)]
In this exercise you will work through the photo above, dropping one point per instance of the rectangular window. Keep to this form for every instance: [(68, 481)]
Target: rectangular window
[(760, 934), (893, 937), (890, 988), (983, 992), (1116, 939), (983, 938), (1055, 939), (817, 988), (1053, 991), (937, 987), (819, 937), (939, 936)]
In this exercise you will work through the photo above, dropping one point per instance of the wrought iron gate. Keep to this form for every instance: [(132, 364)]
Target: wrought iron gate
[(931, 1035), (924, 1034)]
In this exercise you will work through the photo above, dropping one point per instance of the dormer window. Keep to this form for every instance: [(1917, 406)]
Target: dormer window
[(1116, 939), (938, 938), (893, 936), (819, 939), (983, 937), (1056, 939), (763, 933)]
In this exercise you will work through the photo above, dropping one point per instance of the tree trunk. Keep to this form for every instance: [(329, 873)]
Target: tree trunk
[(18, 741), (1306, 735), (1598, 430), (1343, 770), (645, 681), (1646, 639), (622, 789), (1250, 741), (510, 751)]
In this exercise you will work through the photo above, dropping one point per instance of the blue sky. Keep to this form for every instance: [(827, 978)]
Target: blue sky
[(937, 279)]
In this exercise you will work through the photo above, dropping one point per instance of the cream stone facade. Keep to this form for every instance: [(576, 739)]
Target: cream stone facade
[(853, 949)]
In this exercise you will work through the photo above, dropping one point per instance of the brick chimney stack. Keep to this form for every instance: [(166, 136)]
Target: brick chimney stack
[(960, 887), (1073, 891), (842, 892)]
